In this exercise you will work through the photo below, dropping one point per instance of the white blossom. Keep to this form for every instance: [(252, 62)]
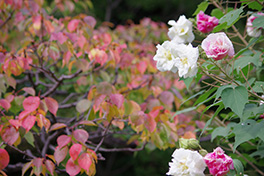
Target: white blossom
[(165, 61), (181, 31), (185, 59), (186, 163)]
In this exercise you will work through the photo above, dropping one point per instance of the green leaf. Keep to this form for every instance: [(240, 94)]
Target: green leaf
[(258, 22), (231, 17), (193, 96), (201, 7), (185, 110), (247, 130), (217, 13), (30, 138), (220, 90), (204, 97), (244, 61), (187, 81), (221, 106), (251, 110), (238, 166), (220, 131), (258, 87), (235, 99), (253, 5)]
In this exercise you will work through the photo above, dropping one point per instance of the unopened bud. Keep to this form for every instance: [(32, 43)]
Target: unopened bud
[(194, 144), (203, 152)]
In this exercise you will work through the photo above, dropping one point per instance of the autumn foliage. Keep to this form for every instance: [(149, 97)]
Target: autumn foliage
[(66, 86)]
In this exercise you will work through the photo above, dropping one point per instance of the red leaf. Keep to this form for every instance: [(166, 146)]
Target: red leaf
[(15, 123), (150, 123), (4, 158), (50, 166), (10, 135), (142, 66), (60, 37), (28, 122), (52, 105), (90, 21), (63, 140), (31, 103), (23, 114), (117, 99), (81, 135), (71, 168), (166, 97), (57, 126), (73, 24), (60, 154), (98, 55), (5, 104), (85, 161), (37, 162), (75, 150)]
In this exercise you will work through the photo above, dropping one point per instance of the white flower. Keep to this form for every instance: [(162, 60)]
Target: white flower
[(186, 163), (185, 59), (165, 61), (181, 31)]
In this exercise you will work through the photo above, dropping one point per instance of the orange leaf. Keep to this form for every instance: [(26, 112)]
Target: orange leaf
[(52, 105), (150, 123), (57, 126)]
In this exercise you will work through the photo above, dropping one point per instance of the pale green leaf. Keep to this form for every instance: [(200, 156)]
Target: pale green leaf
[(231, 17), (235, 99), (238, 166), (258, 22), (83, 105), (220, 131), (258, 87)]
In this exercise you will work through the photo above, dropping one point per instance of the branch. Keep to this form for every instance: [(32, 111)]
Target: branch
[(8, 18), (47, 142)]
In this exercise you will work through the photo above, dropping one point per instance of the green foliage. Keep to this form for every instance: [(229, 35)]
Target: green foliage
[(235, 98)]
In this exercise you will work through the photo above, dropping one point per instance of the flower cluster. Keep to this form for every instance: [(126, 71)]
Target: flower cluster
[(175, 55), (186, 162), (178, 54), (253, 31)]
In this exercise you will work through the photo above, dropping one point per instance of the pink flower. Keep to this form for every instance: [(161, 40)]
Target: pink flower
[(206, 23), (217, 46), (218, 162), (253, 31)]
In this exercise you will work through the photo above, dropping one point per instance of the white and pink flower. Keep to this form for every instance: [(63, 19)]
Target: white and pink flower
[(253, 31), (186, 162), (206, 23), (218, 46), (181, 31), (218, 162)]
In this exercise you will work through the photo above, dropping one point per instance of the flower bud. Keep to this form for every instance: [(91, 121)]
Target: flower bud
[(203, 152), (189, 144)]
